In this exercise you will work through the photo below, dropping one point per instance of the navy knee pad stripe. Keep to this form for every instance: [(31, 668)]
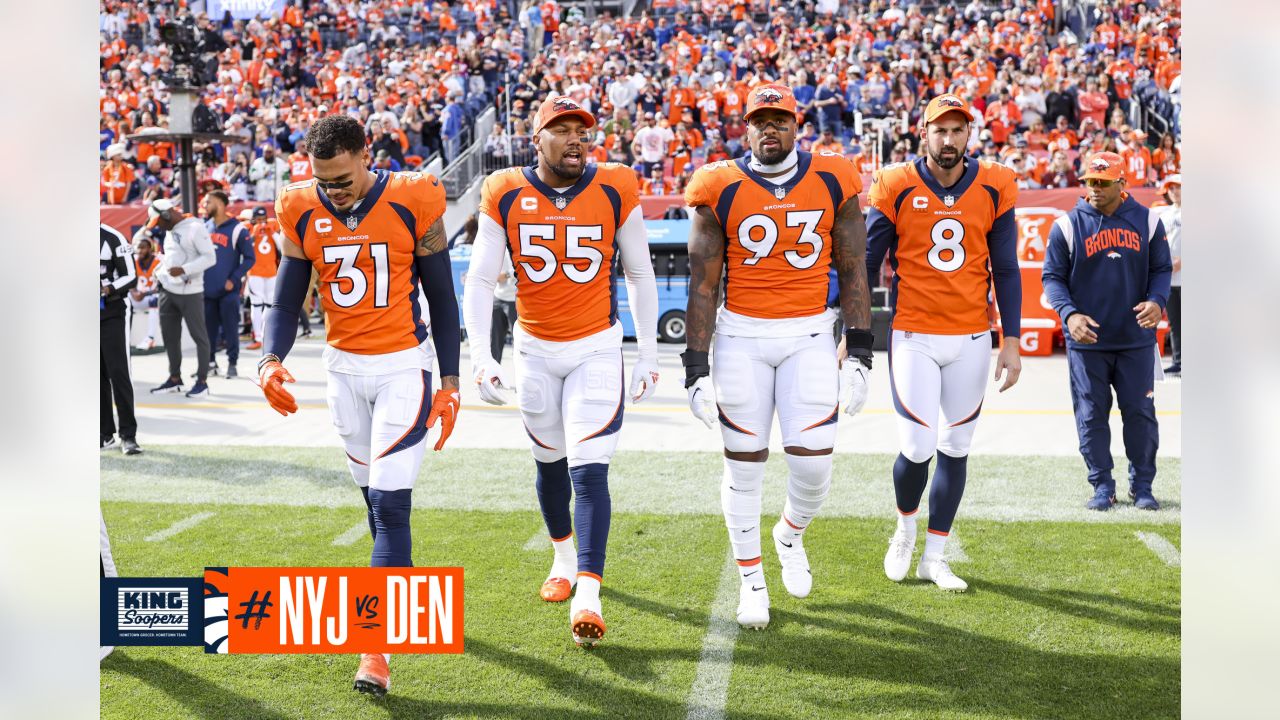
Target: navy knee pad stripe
[(725, 421), (555, 490), (593, 509), (418, 430), (831, 419)]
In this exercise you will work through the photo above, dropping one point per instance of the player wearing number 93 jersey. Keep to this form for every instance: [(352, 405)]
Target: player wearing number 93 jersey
[(774, 224), (375, 240), (947, 224), (567, 224)]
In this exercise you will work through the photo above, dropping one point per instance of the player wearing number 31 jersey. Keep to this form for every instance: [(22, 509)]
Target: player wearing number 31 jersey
[(566, 225), (947, 224), (374, 239), (774, 223)]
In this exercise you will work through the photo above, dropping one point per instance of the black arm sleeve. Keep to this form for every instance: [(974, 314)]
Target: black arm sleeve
[(281, 322), (436, 275)]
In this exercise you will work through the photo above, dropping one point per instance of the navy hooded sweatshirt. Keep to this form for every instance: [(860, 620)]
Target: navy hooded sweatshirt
[(1104, 265)]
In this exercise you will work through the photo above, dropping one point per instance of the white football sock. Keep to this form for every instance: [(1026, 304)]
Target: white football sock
[(565, 562), (587, 596), (740, 494), (907, 523), (808, 483), (752, 573), (934, 544)]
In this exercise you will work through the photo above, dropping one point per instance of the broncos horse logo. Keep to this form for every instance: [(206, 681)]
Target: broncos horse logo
[(950, 101), (1099, 164), (562, 104), (769, 96)]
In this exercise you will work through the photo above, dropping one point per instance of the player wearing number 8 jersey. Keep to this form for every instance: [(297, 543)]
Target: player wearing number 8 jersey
[(375, 239), (566, 225), (774, 224), (947, 224)]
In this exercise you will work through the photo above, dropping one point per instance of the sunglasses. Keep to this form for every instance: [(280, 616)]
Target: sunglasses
[(1099, 183)]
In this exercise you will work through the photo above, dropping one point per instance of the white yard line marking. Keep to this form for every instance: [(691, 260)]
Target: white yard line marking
[(539, 541), (954, 552), (710, 688), (350, 537), (1161, 547), (183, 524)]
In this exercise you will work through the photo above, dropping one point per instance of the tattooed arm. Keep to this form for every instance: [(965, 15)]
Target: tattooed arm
[(706, 265), (849, 254)]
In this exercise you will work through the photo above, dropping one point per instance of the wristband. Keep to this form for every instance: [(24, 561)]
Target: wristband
[(857, 343), (266, 359), (696, 365)]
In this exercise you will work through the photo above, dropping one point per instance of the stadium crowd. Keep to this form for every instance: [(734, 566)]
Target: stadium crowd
[(667, 84)]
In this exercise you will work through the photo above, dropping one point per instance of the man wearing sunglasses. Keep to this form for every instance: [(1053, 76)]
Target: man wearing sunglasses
[(1106, 272)]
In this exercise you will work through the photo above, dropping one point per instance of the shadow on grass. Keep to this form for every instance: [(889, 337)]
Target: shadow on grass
[(934, 666), (195, 695)]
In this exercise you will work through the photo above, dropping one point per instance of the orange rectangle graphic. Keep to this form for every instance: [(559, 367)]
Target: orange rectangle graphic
[(333, 610)]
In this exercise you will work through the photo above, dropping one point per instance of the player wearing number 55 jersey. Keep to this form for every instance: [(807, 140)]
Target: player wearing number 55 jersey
[(947, 224), (566, 225), (374, 239), (774, 224)]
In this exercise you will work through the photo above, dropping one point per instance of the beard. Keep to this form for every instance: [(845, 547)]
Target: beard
[(567, 173), (946, 158), (772, 156)]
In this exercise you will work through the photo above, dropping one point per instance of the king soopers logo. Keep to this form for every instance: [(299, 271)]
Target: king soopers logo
[(152, 608)]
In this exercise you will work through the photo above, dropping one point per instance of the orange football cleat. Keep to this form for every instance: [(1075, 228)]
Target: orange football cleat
[(588, 628), (373, 677), (556, 589), (255, 345)]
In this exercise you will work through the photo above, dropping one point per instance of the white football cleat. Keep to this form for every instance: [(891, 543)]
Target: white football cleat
[(753, 605), (796, 577), (897, 560), (939, 573)]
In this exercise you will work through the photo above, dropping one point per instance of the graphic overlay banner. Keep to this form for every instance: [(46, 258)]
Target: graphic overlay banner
[(150, 611), (333, 610)]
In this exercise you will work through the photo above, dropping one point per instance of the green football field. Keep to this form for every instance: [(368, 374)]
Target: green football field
[(1070, 614)]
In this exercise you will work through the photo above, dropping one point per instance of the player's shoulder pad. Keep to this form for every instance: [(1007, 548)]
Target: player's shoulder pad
[(714, 175), (891, 175), (293, 200), (617, 174), (997, 173)]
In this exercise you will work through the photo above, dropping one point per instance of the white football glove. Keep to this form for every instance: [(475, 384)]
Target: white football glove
[(702, 401), (855, 379), (644, 379), (491, 381)]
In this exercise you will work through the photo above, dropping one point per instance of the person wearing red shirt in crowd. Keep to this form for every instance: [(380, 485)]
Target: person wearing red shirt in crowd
[(1003, 117), (117, 177), (1092, 103), (1059, 173)]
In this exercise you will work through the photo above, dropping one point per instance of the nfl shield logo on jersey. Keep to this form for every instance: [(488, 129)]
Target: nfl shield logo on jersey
[(561, 202), (949, 200), (352, 222), (779, 193)]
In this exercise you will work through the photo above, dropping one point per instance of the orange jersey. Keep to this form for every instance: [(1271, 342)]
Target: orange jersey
[(368, 282), (562, 246), (266, 254), (299, 167), (777, 237), (939, 240), (146, 273)]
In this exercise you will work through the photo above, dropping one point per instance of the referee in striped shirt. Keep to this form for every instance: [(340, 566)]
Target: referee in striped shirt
[(117, 275)]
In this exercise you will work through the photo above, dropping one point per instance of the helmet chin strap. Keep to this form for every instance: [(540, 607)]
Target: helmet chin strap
[(787, 163)]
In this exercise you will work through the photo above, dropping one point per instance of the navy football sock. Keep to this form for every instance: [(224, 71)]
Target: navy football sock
[(373, 527), (393, 544), (909, 479), (591, 517), (948, 488), (554, 492)]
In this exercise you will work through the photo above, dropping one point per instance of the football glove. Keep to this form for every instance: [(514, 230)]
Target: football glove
[(444, 407), (491, 381), (644, 379), (271, 378), (702, 401), (855, 379)]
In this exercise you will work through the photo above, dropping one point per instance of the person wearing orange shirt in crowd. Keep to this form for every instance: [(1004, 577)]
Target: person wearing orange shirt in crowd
[(1037, 138), (655, 184), (1169, 69), (1167, 159), (828, 142), (1107, 32), (1003, 117), (117, 177), (1123, 74), (1138, 169), (1063, 136), (299, 164), (1092, 103), (982, 69)]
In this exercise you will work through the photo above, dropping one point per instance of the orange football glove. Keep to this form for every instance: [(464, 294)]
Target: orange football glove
[(271, 377), (445, 406)]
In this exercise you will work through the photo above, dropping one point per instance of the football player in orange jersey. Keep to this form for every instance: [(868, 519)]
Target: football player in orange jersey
[(267, 241), (775, 223), (947, 222), (374, 239), (144, 297), (566, 223)]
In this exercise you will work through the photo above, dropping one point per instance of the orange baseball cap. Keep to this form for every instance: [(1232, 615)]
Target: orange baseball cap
[(558, 106), (1103, 166), (944, 104), (771, 96)]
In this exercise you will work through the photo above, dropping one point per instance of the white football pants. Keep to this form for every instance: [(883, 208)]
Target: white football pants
[(938, 382), (262, 291), (382, 420), (572, 406)]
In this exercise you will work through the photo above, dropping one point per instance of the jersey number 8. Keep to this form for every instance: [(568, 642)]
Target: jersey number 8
[(574, 252), (947, 235), (806, 219)]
